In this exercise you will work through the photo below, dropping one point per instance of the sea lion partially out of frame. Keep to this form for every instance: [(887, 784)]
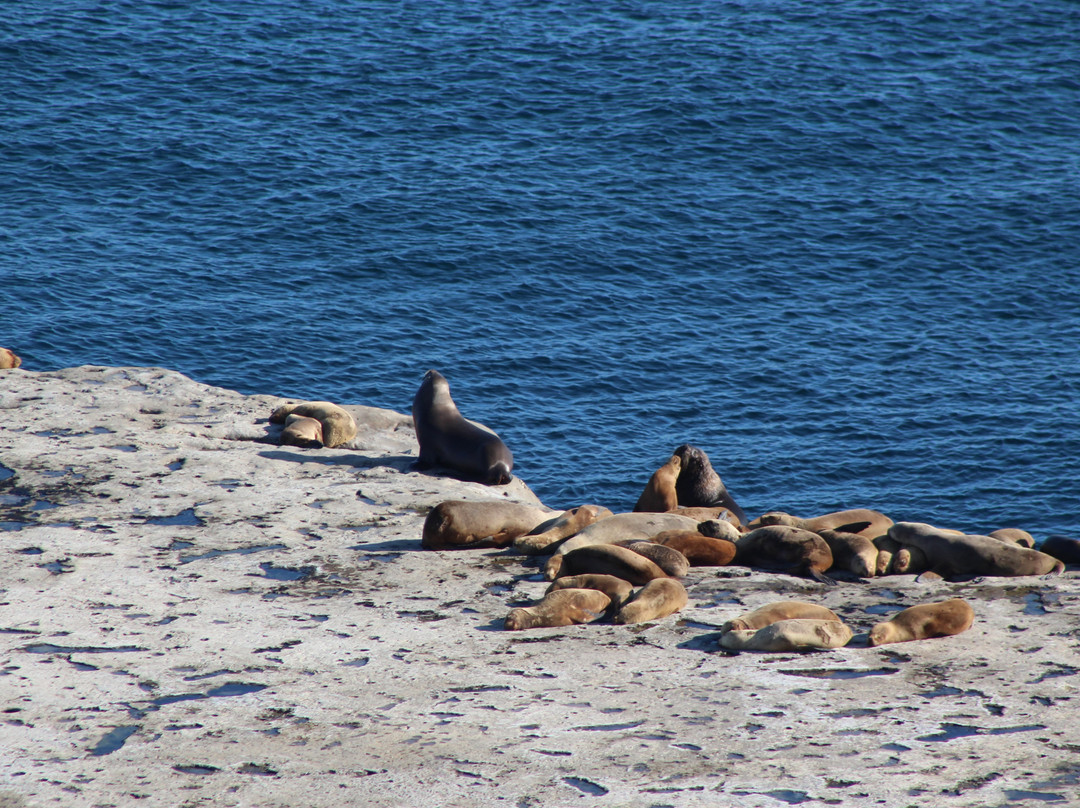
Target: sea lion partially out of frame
[(450, 440)]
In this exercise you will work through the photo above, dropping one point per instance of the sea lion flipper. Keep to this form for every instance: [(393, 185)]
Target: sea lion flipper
[(929, 575), (853, 527), (1057, 570), (820, 576)]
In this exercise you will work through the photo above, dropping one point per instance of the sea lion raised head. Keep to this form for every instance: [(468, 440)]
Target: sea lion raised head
[(699, 486)]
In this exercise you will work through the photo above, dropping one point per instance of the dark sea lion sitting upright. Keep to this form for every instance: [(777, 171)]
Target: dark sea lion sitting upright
[(699, 486), (449, 439)]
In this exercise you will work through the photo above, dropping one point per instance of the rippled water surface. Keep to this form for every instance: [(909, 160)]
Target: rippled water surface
[(836, 246)]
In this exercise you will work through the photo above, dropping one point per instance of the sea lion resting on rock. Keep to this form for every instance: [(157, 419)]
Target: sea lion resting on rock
[(604, 559), (787, 549), (1014, 535), (659, 495), (790, 635), (862, 521), (670, 560), (1062, 548), (698, 484), (449, 439), (658, 598), (302, 431), (851, 552), (923, 622), (615, 588), (457, 524), (8, 359), (563, 607), (541, 538), (949, 554), (623, 527), (780, 610), (338, 425), (700, 550)]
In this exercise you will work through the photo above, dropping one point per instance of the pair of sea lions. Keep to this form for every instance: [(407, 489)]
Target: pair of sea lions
[(308, 423), (590, 597), (9, 359), (950, 553), (687, 480), (450, 440)]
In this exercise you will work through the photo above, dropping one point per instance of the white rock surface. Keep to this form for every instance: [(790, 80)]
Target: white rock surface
[(192, 615)]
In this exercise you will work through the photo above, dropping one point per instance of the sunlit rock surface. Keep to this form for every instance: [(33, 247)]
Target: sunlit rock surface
[(192, 615)]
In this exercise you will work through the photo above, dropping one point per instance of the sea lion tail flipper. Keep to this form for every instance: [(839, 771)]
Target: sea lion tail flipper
[(1057, 570), (820, 576), (852, 527)]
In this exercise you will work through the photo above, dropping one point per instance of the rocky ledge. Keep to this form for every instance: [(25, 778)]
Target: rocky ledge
[(191, 614)]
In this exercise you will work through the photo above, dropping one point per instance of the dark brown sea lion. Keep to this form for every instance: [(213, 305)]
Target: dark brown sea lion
[(457, 524), (542, 538), (699, 486), (658, 598), (1014, 535), (862, 521), (851, 552), (302, 431), (790, 635), (659, 495), (949, 554), (779, 610), (8, 359), (338, 425), (786, 549), (670, 560), (923, 622), (700, 550), (564, 607), (615, 588), (1062, 548), (450, 440), (604, 559)]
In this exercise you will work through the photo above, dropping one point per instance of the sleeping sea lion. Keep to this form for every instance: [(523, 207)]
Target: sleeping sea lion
[(670, 560), (604, 559), (774, 612), (457, 524), (658, 598), (851, 552), (941, 619), (700, 550), (862, 521), (698, 484), (302, 431), (617, 589), (450, 440), (949, 554), (338, 425), (564, 607), (790, 635), (659, 495), (786, 549), (625, 526), (541, 538), (1062, 548), (1013, 535)]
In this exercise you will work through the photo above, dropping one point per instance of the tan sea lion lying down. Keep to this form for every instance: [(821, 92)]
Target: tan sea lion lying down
[(456, 524), (951, 554), (338, 425)]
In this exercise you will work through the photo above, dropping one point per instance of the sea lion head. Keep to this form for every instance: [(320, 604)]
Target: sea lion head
[(881, 634), (775, 518)]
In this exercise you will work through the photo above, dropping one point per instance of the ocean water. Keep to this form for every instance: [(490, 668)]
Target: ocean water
[(837, 246)]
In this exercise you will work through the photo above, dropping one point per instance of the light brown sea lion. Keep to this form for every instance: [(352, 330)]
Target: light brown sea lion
[(786, 549), (625, 526), (851, 552), (457, 524), (698, 484), (615, 588), (951, 555), (658, 598), (563, 607), (338, 425), (780, 610), (604, 559), (886, 548), (941, 619), (790, 635), (450, 440), (1014, 535), (8, 359), (700, 550), (542, 538), (659, 495), (302, 431), (863, 521), (1062, 548), (909, 560), (670, 560), (719, 529)]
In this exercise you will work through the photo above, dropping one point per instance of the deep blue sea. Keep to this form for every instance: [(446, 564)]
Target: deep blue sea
[(835, 245)]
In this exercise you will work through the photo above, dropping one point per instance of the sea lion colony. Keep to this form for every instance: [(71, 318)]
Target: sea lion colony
[(625, 568)]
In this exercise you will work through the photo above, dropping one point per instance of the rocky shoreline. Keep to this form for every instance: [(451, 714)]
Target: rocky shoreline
[(191, 614)]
